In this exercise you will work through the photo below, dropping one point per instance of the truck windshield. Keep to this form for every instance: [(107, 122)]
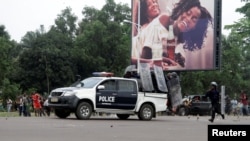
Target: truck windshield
[(88, 82)]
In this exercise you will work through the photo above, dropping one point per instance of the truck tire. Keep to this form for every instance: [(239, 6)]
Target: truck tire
[(146, 112), (62, 113), (123, 116), (83, 111)]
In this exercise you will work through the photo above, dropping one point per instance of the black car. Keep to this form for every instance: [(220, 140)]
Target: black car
[(195, 105)]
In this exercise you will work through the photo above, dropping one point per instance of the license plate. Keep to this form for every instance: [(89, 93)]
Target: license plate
[(54, 99)]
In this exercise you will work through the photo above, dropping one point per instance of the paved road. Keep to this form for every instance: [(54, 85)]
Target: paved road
[(109, 128)]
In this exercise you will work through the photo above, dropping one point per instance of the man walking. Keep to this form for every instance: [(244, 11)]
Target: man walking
[(214, 96)]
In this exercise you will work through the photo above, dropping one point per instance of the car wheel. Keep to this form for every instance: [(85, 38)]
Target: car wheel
[(62, 113), (123, 116), (196, 111), (146, 112), (182, 111), (83, 111)]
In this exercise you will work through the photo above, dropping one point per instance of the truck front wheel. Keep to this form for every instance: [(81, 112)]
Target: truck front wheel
[(83, 111), (146, 112), (62, 113)]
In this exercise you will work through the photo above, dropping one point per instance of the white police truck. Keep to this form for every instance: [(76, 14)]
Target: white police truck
[(107, 94)]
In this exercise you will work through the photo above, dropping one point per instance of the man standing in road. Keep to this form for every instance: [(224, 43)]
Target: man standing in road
[(214, 96)]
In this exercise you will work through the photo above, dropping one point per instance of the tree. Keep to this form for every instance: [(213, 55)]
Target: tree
[(8, 88), (46, 59), (4, 33), (52, 59), (100, 43), (238, 41), (66, 23)]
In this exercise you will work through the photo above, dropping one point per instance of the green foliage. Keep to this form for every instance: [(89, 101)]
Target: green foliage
[(9, 90), (101, 41), (52, 59)]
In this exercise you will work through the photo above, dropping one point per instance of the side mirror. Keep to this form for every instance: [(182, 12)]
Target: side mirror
[(101, 87)]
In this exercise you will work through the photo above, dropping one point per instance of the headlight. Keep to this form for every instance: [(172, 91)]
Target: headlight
[(68, 93)]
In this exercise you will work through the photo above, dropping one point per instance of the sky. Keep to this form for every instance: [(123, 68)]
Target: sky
[(21, 16)]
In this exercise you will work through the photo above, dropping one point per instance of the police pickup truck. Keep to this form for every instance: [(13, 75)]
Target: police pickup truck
[(107, 94)]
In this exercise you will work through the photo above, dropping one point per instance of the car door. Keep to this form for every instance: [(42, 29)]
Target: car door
[(200, 105), (106, 96), (127, 94), (206, 104)]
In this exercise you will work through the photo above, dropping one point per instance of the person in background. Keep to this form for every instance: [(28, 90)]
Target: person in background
[(36, 103), (244, 101), (214, 96), (234, 104), (25, 101), (42, 112), (21, 105), (228, 106), (239, 107), (46, 107), (9, 105), (28, 105)]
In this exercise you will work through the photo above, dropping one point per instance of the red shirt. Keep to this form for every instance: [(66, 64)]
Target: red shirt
[(243, 98), (36, 101)]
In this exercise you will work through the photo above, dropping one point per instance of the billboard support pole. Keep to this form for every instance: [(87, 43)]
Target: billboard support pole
[(222, 103), (139, 32)]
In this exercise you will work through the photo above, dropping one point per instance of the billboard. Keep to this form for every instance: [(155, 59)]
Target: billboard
[(177, 35)]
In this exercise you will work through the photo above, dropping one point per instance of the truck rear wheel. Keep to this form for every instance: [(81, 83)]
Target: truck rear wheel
[(62, 113), (83, 111), (146, 112)]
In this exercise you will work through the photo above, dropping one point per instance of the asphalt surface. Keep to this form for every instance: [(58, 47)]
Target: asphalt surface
[(109, 128)]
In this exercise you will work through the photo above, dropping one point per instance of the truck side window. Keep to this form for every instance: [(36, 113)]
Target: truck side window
[(124, 85), (109, 85), (196, 99), (204, 98)]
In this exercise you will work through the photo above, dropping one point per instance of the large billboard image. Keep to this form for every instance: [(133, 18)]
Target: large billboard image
[(177, 35)]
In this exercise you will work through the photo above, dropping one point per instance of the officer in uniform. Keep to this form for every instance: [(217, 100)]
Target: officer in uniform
[(214, 96)]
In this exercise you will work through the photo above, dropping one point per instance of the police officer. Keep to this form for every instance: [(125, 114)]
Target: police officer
[(214, 96)]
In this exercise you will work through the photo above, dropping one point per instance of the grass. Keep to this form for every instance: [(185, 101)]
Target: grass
[(11, 114)]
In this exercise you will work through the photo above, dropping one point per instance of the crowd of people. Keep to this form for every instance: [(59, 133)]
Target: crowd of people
[(237, 106), (26, 104)]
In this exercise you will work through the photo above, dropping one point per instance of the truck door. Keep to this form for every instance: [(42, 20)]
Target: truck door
[(127, 94), (107, 97)]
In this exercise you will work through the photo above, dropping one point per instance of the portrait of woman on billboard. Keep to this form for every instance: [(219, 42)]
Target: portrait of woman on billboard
[(179, 35)]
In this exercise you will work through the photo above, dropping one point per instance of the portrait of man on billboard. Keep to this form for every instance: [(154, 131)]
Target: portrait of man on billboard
[(174, 34)]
